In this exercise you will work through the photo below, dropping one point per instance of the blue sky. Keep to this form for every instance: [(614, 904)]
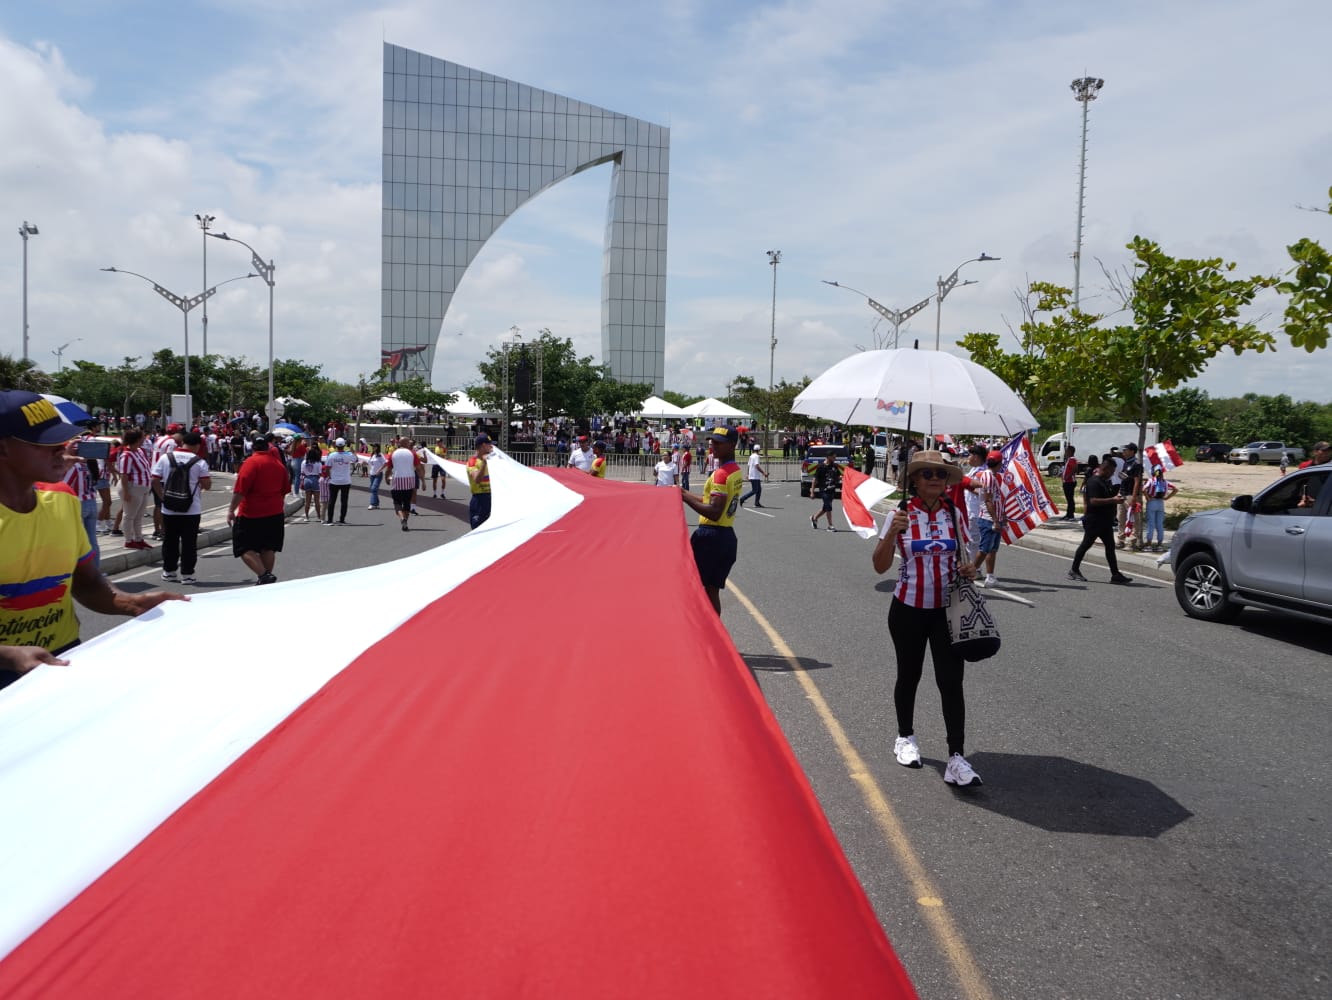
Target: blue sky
[(875, 143)]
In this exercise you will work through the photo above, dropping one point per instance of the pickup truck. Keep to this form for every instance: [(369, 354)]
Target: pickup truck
[(1265, 451)]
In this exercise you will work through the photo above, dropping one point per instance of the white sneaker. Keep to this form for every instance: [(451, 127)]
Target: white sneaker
[(170, 576), (906, 751), (959, 772), (188, 579), (990, 581)]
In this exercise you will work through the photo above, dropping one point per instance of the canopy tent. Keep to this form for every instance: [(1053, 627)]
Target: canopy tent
[(389, 404), (656, 408), (715, 408), (466, 406)]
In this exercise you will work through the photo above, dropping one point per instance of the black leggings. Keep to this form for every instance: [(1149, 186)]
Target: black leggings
[(1093, 531), (911, 628), (1069, 490)]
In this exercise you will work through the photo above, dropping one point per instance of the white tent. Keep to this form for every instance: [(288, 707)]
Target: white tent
[(388, 404), (715, 408), (656, 408), (465, 406)]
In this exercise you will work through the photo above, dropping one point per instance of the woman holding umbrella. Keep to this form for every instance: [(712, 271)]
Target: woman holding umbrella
[(930, 537)]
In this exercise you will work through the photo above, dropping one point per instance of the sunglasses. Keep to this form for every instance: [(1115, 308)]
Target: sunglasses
[(932, 473)]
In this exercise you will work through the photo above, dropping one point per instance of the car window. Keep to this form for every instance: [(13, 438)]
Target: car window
[(1293, 497)]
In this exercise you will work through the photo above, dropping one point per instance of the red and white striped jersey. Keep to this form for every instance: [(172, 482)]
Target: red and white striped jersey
[(134, 464), (166, 443), (928, 550), (81, 482)]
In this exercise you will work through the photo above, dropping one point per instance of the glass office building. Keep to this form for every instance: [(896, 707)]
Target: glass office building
[(462, 151)]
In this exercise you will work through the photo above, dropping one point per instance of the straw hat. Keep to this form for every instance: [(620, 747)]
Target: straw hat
[(934, 460)]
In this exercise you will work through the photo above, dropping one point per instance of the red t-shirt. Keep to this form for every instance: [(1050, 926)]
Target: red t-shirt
[(263, 487)]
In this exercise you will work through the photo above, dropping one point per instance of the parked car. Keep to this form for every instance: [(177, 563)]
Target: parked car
[(1272, 550), (1214, 452), (1265, 451), (814, 455)]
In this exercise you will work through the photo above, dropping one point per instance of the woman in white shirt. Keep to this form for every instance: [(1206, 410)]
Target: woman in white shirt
[(377, 463)]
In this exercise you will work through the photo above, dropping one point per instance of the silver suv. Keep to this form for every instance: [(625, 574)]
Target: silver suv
[(1272, 551)]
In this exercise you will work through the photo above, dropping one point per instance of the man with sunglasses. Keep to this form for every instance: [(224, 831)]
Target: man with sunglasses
[(45, 555)]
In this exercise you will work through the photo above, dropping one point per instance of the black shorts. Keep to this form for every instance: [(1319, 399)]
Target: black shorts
[(435, 471), (714, 553), (257, 534), (827, 497), (402, 499)]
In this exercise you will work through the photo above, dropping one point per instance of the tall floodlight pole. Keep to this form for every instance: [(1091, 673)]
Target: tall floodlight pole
[(266, 272), (59, 353), (26, 230), (945, 285), (774, 258), (894, 316), (204, 222), (1084, 90), (184, 304)]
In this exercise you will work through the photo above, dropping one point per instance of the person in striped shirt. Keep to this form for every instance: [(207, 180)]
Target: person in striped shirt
[(929, 536), (402, 481), (135, 469)]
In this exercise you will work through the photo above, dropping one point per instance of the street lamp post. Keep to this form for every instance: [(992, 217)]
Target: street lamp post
[(59, 353), (774, 258), (1084, 90), (894, 316), (266, 272), (184, 304), (204, 222), (946, 285), (26, 230)]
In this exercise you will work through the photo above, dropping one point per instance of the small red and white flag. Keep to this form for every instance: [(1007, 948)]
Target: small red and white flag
[(859, 494), (1164, 455)]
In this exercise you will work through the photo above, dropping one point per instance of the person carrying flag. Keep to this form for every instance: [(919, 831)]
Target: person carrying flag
[(713, 541), (478, 478)]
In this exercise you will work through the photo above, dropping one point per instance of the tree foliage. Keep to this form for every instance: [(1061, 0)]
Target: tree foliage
[(571, 386), (23, 373)]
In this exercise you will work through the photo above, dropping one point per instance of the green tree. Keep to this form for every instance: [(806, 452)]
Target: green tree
[(1309, 311), (571, 386), (1187, 417), (22, 373), (419, 393), (679, 398)]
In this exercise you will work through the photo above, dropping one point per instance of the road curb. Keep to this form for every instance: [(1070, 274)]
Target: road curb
[(1143, 564), (218, 534)]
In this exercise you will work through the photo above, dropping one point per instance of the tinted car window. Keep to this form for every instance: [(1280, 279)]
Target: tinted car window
[(1294, 497)]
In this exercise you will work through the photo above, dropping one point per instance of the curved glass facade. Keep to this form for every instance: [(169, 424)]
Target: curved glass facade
[(462, 150)]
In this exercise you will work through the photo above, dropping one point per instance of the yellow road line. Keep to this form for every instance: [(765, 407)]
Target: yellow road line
[(928, 897)]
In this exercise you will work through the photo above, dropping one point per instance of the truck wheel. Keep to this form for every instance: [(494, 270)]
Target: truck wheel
[(1254, 459), (1200, 588), (1052, 469)]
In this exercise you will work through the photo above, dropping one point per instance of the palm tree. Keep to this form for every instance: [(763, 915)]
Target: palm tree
[(16, 373)]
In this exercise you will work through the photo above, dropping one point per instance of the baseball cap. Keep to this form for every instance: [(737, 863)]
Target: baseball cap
[(260, 444), (1131, 444), (482, 439), (995, 456), (29, 417), (724, 434), (599, 444), (340, 443)]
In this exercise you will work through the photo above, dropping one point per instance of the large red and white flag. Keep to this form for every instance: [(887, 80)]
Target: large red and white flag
[(1026, 502), (1164, 455), (440, 790), (859, 495)]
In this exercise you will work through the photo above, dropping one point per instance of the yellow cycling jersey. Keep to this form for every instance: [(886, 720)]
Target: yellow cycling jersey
[(728, 481)]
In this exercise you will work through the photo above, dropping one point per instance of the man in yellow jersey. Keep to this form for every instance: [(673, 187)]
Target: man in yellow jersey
[(598, 467), (478, 477), (45, 556), (713, 540), (438, 480)]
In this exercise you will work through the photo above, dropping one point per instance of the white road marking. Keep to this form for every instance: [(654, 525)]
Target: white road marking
[(987, 591), (759, 513)]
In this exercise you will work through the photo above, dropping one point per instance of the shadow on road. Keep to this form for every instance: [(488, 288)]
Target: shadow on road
[(1067, 796), (780, 664), (1287, 630)]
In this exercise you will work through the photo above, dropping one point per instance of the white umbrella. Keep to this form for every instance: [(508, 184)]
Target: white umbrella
[(715, 408), (947, 394), (654, 407)]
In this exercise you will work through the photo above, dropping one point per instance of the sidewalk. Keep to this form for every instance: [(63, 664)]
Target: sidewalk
[(213, 529), (1062, 538)]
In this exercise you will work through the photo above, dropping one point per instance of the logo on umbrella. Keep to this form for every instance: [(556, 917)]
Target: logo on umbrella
[(895, 407)]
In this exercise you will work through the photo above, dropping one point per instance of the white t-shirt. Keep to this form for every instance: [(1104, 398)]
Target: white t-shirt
[(162, 471), (404, 469), (666, 473), (377, 463), (975, 505), (754, 465), (339, 467), (581, 460)]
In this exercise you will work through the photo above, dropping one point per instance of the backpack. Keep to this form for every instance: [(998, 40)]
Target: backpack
[(177, 492)]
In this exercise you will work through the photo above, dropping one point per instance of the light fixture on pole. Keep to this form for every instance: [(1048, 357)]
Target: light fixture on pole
[(204, 222), (946, 285), (1084, 90), (774, 258), (26, 230), (59, 353), (183, 303), (894, 316), (265, 272)]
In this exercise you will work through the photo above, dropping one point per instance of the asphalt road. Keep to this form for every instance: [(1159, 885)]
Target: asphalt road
[(1154, 820)]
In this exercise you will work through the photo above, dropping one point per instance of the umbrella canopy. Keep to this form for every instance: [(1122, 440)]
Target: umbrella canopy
[(70, 413), (290, 401), (288, 429), (654, 407), (947, 394), (715, 408)]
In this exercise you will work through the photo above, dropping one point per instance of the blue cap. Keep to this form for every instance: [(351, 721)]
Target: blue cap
[(30, 417)]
